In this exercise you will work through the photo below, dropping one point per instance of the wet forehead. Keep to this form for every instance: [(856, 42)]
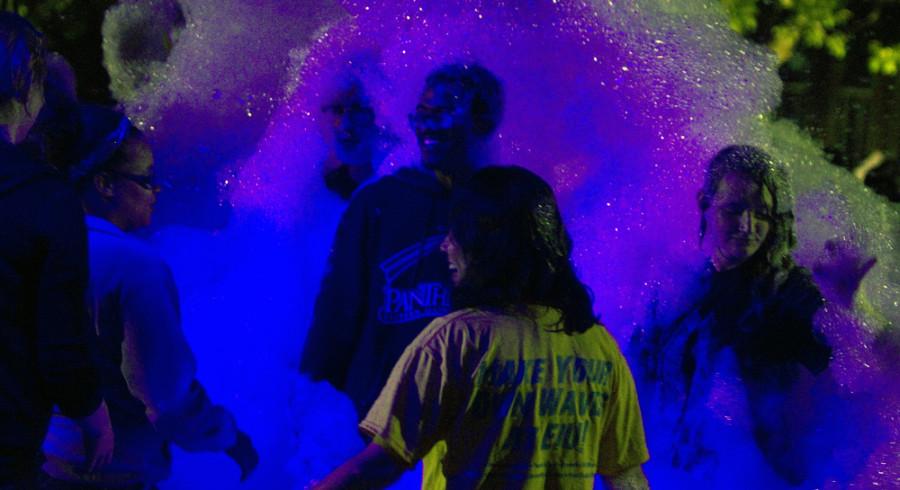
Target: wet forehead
[(442, 96), (140, 158), (737, 188), (349, 96)]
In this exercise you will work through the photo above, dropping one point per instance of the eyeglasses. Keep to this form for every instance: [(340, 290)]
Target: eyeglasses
[(148, 182), (434, 118)]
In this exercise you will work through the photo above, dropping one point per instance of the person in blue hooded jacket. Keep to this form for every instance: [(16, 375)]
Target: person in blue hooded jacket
[(147, 369)]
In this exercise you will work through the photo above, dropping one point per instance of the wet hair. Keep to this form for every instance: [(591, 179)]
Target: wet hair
[(517, 251), (103, 143), (774, 255), (54, 136), (485, 88), (22, 61)]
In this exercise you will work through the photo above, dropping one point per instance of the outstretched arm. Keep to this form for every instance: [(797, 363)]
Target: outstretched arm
[(159, 366), (160, 370), (374, 467)]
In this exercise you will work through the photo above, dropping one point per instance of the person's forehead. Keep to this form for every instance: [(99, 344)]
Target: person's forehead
[(443, 94), (351, 96), (735, 186), (140, 157)]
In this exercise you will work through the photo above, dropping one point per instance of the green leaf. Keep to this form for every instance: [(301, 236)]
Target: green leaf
[(837, 45)]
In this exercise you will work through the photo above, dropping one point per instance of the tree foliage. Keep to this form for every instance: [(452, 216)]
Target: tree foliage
[(833, 26), (72, 28)]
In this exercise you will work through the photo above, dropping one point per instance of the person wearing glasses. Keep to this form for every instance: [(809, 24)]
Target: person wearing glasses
[(386, 277), (520, 387), (148, 370)]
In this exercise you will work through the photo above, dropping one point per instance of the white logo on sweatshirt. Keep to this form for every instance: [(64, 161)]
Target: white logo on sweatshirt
[(426, 299)]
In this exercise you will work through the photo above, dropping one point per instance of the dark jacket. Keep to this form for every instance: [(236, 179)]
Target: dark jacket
[(44, 328), (386, 280), (771, 335)]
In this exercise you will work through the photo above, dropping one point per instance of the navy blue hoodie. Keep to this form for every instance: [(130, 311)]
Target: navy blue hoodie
[(44, 328), (386, 280)]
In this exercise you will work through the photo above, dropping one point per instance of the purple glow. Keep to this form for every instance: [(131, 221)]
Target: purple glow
[(617, 104)]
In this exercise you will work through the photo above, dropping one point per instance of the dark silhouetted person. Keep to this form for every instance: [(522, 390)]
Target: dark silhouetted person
[(519, 387), (356, 145), (147, 367), (386, 277), (44, 329)]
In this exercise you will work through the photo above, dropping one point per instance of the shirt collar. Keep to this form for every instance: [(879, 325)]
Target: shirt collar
[(96, 223)]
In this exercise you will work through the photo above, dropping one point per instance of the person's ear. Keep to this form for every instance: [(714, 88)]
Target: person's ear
[(103, 184), (481, 125)]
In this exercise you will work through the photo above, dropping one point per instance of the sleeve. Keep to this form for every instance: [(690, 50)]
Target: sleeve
[(64, 336), (800, 302), (410, 414), (644, 344), (622, 445), (651, 339), (159, 366), (340, 305)]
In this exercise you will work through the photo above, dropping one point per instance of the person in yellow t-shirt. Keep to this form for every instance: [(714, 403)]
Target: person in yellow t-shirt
[(520, 387)]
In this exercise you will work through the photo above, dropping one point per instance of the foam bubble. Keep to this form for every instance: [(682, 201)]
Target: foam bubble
[(618, 104)]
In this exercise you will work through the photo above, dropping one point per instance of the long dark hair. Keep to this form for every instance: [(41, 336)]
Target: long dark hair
[(517, 252), (22, 56), (773, 259)]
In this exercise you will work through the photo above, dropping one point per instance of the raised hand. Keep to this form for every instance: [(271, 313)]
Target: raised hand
[(244, 454), (840, 271)]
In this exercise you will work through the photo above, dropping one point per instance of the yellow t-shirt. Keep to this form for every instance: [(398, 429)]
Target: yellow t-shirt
[(510, 402)]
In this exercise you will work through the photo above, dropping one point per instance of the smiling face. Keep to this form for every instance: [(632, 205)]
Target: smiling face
[(444, 131), (738, 220), (456, 260)]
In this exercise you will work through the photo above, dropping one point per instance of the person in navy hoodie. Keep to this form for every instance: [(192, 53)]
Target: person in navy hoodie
[(148, 370), (386, 277)]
